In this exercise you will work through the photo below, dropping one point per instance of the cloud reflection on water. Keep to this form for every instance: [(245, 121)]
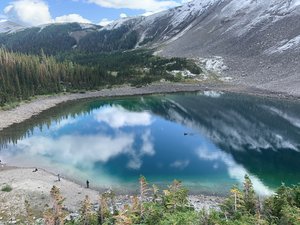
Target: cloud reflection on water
[(118, 117), (85, 150), (235, 170), (117, 141)]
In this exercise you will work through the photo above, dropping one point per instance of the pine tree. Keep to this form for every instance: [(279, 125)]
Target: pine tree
[(143, 193), (250, 199), (55, 215), (87, 214)]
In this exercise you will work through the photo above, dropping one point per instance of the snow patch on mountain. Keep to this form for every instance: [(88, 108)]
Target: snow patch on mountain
[(249, 13), (190, 9), (86, 26), (214, 64)]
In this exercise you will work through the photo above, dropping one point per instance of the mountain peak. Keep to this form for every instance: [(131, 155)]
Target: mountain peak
[(7, 26)]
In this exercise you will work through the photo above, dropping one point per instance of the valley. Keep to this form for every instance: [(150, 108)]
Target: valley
[(98, 120)]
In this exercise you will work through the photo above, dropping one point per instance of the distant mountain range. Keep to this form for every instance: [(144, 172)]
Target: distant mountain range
[(9, 27), (253, 42)]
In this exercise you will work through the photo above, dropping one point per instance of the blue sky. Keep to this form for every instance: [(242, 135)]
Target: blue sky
[(36, 12)]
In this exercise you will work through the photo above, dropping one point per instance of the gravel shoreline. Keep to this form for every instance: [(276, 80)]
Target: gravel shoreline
[(27, 110), (34, 187)]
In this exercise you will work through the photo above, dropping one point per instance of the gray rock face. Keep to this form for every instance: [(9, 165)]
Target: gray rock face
[(258, 40)]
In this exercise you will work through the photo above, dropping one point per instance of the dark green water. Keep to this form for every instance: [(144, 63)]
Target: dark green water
[(209, 141)]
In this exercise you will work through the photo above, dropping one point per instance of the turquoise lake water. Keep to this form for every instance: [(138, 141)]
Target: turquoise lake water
[(208, 140)]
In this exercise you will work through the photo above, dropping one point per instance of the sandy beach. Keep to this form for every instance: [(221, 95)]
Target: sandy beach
[(27, 110), (34, 187)]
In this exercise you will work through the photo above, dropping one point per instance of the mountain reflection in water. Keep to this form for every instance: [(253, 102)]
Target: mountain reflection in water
[(209, 141)]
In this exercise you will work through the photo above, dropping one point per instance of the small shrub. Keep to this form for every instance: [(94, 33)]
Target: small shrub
[(6, 188)]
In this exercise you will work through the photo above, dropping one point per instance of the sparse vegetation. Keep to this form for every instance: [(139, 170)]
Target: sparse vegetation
[(6, 188), (171, 206)]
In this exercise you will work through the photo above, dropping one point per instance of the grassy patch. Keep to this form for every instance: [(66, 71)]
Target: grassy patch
[(10, 106), (6, 188)]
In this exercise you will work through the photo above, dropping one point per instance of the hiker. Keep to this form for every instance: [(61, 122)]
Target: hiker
[(87, 184), (35, 170), (58, 177)]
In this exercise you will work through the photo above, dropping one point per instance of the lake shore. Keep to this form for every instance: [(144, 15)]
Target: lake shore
[(34, 187), (27, 110)]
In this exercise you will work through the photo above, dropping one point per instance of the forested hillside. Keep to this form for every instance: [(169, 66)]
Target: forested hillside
[(23, 76), (109, 40), (52, 39)]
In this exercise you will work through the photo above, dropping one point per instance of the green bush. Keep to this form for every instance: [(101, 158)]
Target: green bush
[(171, 207), (6, 188)]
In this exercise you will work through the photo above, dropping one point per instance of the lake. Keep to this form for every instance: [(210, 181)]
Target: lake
[(208, 140)]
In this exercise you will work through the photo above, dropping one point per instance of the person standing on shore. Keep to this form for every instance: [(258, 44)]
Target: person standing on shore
[(87, 184), (58, 177)]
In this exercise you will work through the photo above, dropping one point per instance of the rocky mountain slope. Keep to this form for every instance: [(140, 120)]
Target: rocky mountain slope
[(251, 42), (256, 42)]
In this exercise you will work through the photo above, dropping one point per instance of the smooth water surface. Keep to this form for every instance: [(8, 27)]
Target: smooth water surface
[(208, 140)]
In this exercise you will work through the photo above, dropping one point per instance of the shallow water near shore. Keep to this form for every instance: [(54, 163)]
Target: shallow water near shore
[(209, 140)]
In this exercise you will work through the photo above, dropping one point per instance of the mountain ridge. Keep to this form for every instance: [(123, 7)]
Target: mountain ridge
[(7, 26), (251, 42)]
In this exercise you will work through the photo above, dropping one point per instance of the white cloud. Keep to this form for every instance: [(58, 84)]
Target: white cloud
[(75, 150), (180, 164), (147, 149), (123, 15), (147, 5), (71, 18), (148, 13), (117, 117), (83, 150), (185, 1), (64, 122), (235, 170), (213, 94), (3, 17), (104, 22), (36, 12), (30, 12)]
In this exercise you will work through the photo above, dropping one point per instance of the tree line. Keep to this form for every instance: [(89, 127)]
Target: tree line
[(23, 75)]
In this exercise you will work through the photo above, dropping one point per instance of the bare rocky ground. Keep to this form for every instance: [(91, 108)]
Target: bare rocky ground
[(34, 187), (256, 40)]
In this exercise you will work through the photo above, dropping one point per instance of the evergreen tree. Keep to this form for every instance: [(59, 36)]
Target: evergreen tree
[(250, 199)]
